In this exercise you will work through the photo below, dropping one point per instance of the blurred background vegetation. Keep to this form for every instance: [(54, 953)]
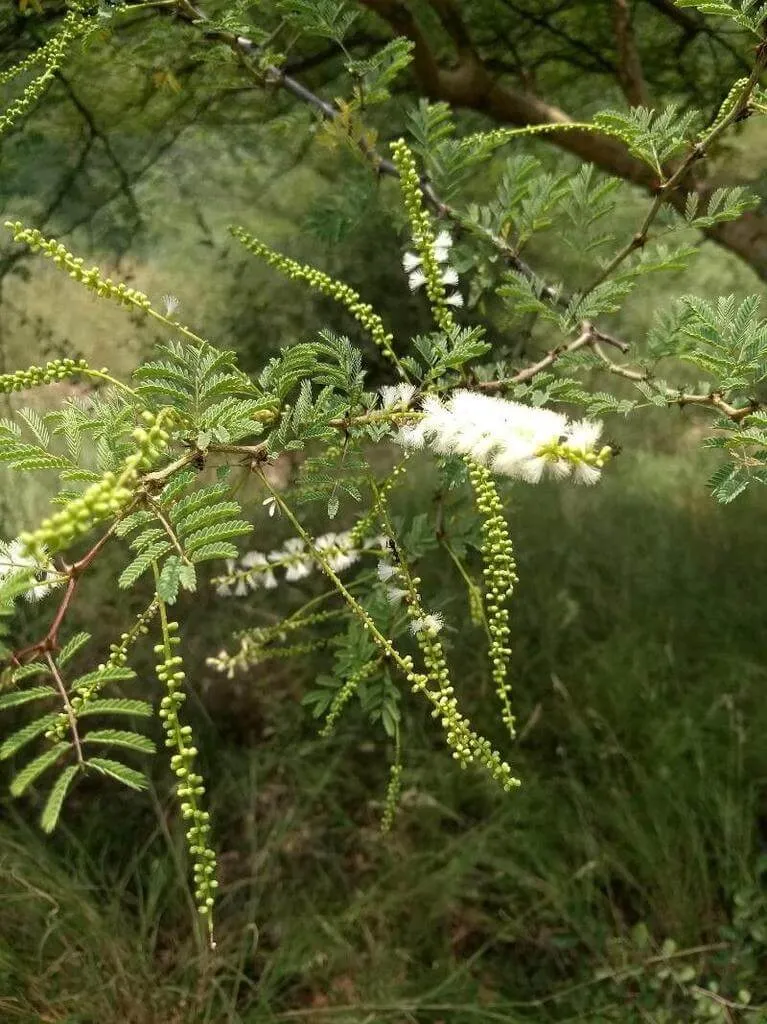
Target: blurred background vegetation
[(625, 881)]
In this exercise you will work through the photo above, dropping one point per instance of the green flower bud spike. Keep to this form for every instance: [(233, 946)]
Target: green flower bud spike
[(190, 787), (107, 496)]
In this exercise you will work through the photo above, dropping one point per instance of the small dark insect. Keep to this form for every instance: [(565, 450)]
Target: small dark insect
[(391, 547), (614, 447)]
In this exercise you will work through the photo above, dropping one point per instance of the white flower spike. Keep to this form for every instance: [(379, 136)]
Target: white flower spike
[(511, 439)]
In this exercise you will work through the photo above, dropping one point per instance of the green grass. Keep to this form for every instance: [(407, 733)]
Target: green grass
[(638, 684)]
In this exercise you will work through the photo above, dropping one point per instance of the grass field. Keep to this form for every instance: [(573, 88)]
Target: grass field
[(639, 682)]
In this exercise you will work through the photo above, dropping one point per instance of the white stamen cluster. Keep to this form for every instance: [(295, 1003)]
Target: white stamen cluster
[(427, 623), (13, 560), (430, 624), (256, 571), (416, 276), (509, 438), (397, 395)]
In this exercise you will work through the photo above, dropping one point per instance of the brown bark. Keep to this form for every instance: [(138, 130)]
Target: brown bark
[(630, 74), (470, 84)]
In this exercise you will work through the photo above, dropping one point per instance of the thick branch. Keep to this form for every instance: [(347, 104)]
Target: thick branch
[(471, 84), (630, 74)]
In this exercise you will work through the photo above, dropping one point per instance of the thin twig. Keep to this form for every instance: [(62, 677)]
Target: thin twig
[(67, 706), (673, 396), (586, 337)]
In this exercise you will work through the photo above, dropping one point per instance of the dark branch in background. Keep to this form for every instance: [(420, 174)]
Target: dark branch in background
[(693, 24), (449, 16), (590, 335), (469, 83), (126, 186), (600, 61), (630, 74)]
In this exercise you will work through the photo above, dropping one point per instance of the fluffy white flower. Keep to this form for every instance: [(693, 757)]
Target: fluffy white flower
[(449, 276), (513, 439), (455, 299), (171, 304), (375, 542), (416, 280), (395, 594), (294, 545), (410, 261), (442, 245), (298, 570), (410, 437), (339, 549), (428, 624), (583, 435), (397, 394), (385, 571), (12, 560), (586, 474), (298, 565), (264, 577)]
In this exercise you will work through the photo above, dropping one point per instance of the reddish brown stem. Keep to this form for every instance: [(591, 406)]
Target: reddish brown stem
[(50, 642)]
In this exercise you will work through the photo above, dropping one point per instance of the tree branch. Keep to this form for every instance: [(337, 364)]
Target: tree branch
[(630, 74), (50, 642)]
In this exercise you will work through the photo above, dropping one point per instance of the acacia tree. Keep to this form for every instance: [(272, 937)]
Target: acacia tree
[(148, 467)]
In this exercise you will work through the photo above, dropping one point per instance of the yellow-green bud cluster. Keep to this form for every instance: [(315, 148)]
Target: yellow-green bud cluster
[(92, 278), (500, 577), (422, 233), (588, 461), (467, 746), (391, 802), (190, 787), (362, 312), (71, 27), (38, 376), (731, 99), (345, 694), (55, 53), (118, 652), (367, 525), (102, 499), (106, 496)]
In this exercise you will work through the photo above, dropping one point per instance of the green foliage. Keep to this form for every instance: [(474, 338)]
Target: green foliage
[(748, 14), (327, 19), (163, 470), (652, 136), (374, 75)]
